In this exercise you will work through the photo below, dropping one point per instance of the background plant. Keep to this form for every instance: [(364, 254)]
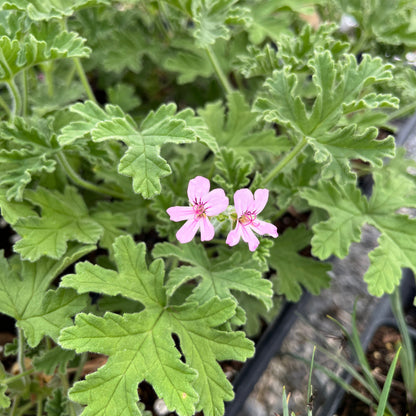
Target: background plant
[(101, 132)]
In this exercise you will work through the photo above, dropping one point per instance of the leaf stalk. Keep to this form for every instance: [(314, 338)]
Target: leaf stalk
[(84, 79), (218, 70), (82, 182), (285, 161)]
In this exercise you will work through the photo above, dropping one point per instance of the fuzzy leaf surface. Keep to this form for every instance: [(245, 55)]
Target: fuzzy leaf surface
[(295, 271), (26, 152), (48, 9), (217, 278), (341, 88), (140, 345), (24, 294), (52, 43), (64, 218), (142, 161), (348, 210)]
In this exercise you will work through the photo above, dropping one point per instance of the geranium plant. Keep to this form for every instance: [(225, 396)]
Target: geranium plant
[(165, 166)]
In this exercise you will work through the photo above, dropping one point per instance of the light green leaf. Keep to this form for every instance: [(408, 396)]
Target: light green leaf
[(142, 161), (52, 359), (24, 295), (124, 96), (295, 271), (48, 9), (53, 43), (211, 18), (64, 217), (348, 210), (140, 345), (4, 400), (218, 278), (26, 153), (11, 211)]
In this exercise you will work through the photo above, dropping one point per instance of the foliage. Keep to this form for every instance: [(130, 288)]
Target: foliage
[(109, 109)]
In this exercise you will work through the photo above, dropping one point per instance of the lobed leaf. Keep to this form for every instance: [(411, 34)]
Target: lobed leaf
[(24, 294), (140, 345)]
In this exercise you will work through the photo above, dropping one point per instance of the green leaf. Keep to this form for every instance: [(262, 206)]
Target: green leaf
[(5, 401), (24, 295), (52, 359), (142, 160), (349, 210), (124, 96), (238, 128), (218, 278), (140, 345), (48, 9), (11, 211), (234, 170), (27, 152), (64, 217), (52, 43), (57, 404), (340, 89), (295, 271), (211, 18)]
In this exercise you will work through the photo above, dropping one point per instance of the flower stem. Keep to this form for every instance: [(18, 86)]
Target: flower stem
[(82, 182), (285, 161), (65, 388), (84, 79), (17, 376), (218, 70), (16, 99), (21, 354)]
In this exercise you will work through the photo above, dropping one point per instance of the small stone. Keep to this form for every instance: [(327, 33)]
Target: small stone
[(160, 407)]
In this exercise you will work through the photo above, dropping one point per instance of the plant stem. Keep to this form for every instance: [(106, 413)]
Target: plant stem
[(82, 362), (84, 79), (24, 91), (218, 70), (21, 354), (82, 182), (18, 376), (16, 99), (5, 107), (403, 111), (407, 355), (286, 160), (15, 405), (39, 407), (65, 388)]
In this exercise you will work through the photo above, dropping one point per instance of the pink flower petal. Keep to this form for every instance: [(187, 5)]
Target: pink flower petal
[(260, 199), (187, 232), (250, 238), (216, 202), (207, 229), (262, 227), (198, 188), (243, 201), (180, 213), (234, 236)]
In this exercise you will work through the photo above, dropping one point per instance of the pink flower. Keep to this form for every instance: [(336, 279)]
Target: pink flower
[(204, 204), (247, 208)]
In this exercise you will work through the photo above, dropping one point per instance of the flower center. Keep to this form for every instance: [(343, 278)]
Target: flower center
[(199, 210), (247, 218)]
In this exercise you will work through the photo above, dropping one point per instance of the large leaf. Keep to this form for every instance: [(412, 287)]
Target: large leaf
[(218, 277), (24, 294), (348, 210), (140, 345), (142, 161), (64, 218), (48, 9), (341, 88), (48, 42), (295, 271)]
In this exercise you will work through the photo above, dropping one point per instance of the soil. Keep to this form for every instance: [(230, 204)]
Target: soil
[(380, 355)]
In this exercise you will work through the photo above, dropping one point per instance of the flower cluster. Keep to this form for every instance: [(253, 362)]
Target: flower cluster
[(205, 204)]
